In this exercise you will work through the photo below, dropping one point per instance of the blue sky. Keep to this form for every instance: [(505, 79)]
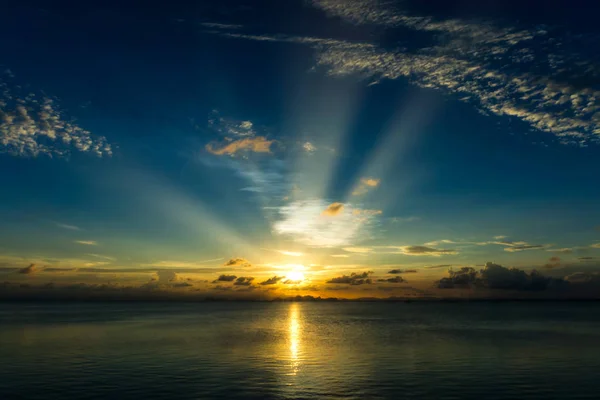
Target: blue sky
[(157, 148)]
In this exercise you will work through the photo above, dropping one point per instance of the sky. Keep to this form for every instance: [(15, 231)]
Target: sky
[(263, 149)]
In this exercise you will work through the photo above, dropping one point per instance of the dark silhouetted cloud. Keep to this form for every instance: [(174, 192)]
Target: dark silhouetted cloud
[(353, 279), (402, 271), (28, 270), (395, 279), (494, 276), (273, 280), (237, 262), (225, 278), (244, 281)]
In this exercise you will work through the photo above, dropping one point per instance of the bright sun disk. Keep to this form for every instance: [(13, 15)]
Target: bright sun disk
[(295, 276)]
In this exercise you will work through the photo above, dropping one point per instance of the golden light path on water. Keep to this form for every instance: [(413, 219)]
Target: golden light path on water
[(295, 331)]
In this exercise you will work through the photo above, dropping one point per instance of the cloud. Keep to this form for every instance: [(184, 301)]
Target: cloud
[(102, 257), (225, 278), (31, 125), (238, 262), (480, 63), (494, 276), (395, 279), (28, 270), (87, 242), (309, 147), (166, 276), (584, 278), (399, 220), (365, 185), (596, 246), (553, 262), (353, 279), (438, 266), (244, 281), (302, 221), (402, 271), (362, 250), (258, 144), (425, 251), (566, 250), (70, 227), (273, 280), (359, 211), (461, 63), (290, 253), (586, 258), (215, 25), (513, 247), (438, 242), (333, 209), (499, 237), (340, 255)]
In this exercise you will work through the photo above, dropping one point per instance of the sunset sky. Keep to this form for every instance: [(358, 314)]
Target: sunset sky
[(262, 149)]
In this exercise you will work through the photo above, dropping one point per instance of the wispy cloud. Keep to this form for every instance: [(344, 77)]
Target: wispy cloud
[(216, 25), (365, 185), (460, 63), (362, 250), (87, 242), (425, 251), (66, 226)]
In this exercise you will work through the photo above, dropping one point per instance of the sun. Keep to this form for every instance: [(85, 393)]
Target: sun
[(295, 276)]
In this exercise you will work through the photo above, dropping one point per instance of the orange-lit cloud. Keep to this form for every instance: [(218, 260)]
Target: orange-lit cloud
[(258, 144), (333, 209), (87, 242), (365, 185)]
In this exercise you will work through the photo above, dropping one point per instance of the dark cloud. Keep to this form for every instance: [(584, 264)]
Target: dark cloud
[(273, 280), (586, 258), (553, 262), (166, 276), (583, 278), (439, 266), (225, 278), (353, 279), (402, 271), (28, 270), (396, 279), (237, 262), (181, 284), (244, 281), (494, 276)]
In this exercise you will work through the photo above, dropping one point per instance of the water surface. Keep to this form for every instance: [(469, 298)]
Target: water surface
[(300, 351)]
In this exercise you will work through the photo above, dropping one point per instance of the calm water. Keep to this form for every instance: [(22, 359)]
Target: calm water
[(300, 350)]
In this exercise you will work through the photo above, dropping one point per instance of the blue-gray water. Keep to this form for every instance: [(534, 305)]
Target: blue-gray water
[(300, 351)]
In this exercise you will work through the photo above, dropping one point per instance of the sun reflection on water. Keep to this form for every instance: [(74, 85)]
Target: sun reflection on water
[(295, 331)]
